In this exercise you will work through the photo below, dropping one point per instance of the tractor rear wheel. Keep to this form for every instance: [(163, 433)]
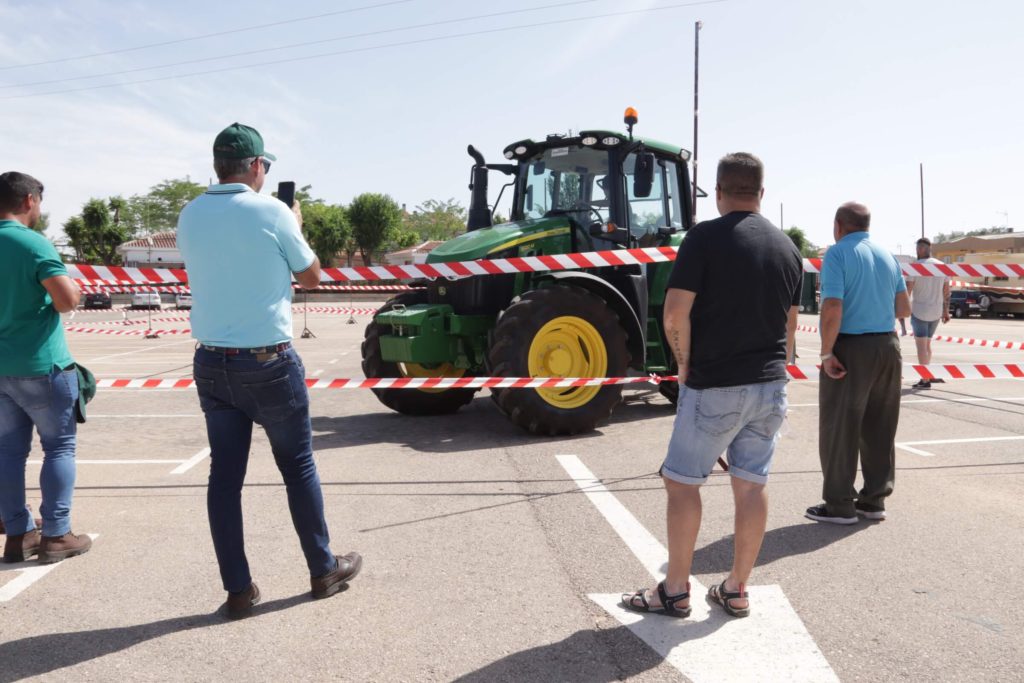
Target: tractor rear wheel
[(559, 331), (410, 401)]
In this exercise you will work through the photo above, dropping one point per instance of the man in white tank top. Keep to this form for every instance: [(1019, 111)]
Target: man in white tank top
[(929, 304)]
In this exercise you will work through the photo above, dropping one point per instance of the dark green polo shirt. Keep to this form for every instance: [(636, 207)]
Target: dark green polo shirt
[(31, 336)]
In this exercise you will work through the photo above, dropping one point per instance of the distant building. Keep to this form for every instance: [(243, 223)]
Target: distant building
[(1001, 248), (417, 254), (159, 250)]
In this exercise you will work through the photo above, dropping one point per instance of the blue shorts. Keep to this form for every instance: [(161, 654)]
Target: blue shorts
[(742, 422), (924, 328)]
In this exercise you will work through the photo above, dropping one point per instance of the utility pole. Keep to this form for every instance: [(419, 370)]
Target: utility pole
[(921, 168), (696, 77), (782, 218)]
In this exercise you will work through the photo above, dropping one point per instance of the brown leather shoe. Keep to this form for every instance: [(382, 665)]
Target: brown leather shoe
[(239, 605), (56, 548), (21, 547), (327, 585)]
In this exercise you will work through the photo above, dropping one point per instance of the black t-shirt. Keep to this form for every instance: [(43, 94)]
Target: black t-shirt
[(746, 274)]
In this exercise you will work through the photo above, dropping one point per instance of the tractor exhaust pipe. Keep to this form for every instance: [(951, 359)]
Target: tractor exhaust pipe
[(479, 212)]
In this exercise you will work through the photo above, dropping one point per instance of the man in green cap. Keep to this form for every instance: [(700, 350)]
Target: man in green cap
[(241, 249), (38, 380)]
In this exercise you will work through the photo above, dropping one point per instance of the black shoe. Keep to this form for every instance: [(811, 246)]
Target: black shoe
[(332, 582), (938, 380), (820, 513), (922, 384), (239, 605), (868, 511)]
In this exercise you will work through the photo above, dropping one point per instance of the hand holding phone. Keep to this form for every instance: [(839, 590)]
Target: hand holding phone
[(286, 192)]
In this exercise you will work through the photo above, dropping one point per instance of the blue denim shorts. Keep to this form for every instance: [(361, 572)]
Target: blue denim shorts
[(743, 422), (924, 328)]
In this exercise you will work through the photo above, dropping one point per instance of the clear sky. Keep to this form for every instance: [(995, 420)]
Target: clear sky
[(842, 100)]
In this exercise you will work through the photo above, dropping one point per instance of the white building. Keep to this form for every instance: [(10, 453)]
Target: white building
[(159, 250)]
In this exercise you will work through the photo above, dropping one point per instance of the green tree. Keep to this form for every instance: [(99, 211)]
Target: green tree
[(94, 235), (327, 229), (806, 248), (374, 217), (957, 234), (436, 220), (158, 209)]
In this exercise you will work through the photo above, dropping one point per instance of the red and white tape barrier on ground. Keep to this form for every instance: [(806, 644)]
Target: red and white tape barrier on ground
[(988, 343), (526, 264), (332, 310), (94, 287), (126, 333), (798, 372)]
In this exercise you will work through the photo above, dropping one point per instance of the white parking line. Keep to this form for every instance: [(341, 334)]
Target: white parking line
[(30, 573), (159, 415), (332, 362), (771, 644), (319, 372), (909, 445), (116, 462), (191, 462), (148, 348)]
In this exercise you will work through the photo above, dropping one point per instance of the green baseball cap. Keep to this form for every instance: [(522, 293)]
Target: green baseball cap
[(239, 141)]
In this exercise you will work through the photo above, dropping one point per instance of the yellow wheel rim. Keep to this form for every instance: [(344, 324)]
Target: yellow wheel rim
[(568, 346), (417, 370)]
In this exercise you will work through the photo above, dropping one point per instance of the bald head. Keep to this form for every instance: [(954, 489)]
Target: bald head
[(853, 217)]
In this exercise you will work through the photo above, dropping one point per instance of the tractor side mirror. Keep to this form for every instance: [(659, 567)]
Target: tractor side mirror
[(529, 198), (643, 175)]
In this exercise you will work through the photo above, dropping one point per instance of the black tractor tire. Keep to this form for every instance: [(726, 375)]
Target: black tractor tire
[(406, 401), (958, 312), (508, 357)]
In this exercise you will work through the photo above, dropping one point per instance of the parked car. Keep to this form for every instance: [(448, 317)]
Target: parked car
[(183, 301), (963, 303), (97, 300), (145, 300)]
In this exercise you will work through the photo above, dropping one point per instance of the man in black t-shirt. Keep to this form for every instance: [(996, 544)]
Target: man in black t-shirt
[(730, 318)]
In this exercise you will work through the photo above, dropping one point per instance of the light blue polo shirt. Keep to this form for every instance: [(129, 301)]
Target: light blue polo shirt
[(240, 250), (866, 278)]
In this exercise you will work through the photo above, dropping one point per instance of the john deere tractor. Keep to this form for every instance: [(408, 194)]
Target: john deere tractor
[(595, 191)]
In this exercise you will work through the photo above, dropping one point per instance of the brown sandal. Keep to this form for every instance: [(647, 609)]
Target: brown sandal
[(720, 596)]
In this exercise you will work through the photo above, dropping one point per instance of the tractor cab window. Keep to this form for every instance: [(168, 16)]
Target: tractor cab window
[(663, 208), (566, 181)]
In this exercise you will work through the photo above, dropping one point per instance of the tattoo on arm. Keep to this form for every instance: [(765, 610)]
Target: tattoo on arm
[(682, 356)]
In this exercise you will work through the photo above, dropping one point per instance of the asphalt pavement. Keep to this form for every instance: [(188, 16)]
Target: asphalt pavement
[(490, 554)]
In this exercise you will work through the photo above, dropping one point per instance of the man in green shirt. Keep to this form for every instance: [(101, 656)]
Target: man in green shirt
[(38, 382)]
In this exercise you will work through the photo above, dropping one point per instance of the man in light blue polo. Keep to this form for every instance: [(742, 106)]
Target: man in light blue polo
[(862, 294), (241, 249)]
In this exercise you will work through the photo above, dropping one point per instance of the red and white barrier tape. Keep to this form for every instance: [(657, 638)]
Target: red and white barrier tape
[(527, 264), (797, 372), (128, 333), (960, 284), (988, 343), (95, 287)]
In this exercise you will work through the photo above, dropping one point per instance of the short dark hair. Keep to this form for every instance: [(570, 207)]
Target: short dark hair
[(925, 240), (854, 217), (740, 174), (230, 168), (14, 187)]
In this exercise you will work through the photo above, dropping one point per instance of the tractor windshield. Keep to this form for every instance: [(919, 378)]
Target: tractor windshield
[(566, 180)]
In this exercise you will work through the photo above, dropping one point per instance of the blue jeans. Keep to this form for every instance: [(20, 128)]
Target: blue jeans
[(48, 402), (743, 422), (235, 392)]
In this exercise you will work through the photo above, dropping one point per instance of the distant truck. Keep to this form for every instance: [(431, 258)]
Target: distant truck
[(999, 301)]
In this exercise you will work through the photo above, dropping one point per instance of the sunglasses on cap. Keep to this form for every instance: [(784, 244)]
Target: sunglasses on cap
[(266, 164)]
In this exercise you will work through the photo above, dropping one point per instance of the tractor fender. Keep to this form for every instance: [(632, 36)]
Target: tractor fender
[(635, 341)]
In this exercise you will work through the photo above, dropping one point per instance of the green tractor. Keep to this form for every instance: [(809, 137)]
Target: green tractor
[(596, 191)]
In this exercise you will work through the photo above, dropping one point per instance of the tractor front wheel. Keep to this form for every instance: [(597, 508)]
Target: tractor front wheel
[(410, 401), (559, 331)]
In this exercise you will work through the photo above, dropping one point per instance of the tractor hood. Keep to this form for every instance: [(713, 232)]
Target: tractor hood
[(489, 242)]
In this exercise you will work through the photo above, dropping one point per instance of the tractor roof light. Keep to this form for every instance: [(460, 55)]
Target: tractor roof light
[(509, 154), (630, 119), (520, 150), (589, 141), (611, 141)]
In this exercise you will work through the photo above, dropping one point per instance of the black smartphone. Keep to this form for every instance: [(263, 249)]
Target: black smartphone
[(286, 192)]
